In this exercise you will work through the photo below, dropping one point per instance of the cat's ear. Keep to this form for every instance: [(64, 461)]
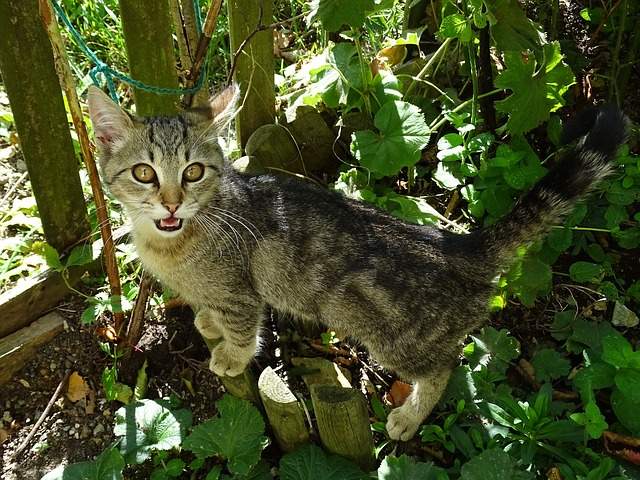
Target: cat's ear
[(222, 106), (111, 124)]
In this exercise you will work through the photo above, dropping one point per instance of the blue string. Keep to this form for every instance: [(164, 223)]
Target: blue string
[(104, 70)]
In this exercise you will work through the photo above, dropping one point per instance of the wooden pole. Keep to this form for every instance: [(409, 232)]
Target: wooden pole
[(343, 423), (242, 386), (146, 25), (28, 73), (283, 410), (68, 84), (254, 71)]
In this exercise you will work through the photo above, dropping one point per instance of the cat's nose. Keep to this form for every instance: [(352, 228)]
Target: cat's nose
[(172, 207)]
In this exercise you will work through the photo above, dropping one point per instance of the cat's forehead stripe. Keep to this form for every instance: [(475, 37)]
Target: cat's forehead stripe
[(167, 133)]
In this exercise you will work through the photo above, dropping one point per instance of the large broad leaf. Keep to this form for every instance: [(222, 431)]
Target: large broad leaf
[(626, 410), (405, 468), (149, 425), (549, 365), (403, 133), (237, 434), (107, 466), (311, 463), (493, 464), (536, 89), (333, 14), (512, 29)]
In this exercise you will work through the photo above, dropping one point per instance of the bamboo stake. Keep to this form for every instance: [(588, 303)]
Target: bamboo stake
[(68, 85), (203, 47)]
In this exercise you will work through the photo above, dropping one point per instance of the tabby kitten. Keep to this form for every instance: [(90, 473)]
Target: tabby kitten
[(230, 244)]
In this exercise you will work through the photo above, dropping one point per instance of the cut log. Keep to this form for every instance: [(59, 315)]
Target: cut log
[(284, 412), (321, 372), (17, 348), (343, 423)]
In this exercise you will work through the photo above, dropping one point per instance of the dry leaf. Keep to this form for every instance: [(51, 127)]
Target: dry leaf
[(622, 446), (399, 392), (90, 404), (108, 333), (554, 474), (3, 435), (77, 388), (24, 383)]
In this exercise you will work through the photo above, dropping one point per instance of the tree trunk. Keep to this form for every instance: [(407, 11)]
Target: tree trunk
[(146, 25), (254, 69), (28, 72)]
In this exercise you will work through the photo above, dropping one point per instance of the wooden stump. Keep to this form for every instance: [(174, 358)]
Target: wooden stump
[(283, 410), (321, 372), (343, 423)]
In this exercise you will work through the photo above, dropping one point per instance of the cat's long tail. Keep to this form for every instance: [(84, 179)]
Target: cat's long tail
[(599, 133)]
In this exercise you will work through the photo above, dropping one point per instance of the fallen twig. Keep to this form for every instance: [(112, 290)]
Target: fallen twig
[(44, 414)]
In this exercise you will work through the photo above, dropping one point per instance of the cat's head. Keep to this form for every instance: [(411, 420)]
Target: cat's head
[(162, 169)]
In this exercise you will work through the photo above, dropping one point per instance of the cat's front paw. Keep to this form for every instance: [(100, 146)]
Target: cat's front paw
[(403, 423), (229, 360), (207, 326)]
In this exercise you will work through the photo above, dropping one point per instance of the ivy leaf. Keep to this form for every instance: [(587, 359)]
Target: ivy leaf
[(549, 365), (405, 468), (311, 463), (237, 434), (107, 466), (403, 133), (493, 464), (536, 89), (149, 425), (333, 14), (456, 26)]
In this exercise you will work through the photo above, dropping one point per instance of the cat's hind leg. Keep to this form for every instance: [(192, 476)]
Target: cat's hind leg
[(403, 422)]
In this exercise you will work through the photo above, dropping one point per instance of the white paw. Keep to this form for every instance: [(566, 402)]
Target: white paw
[(207, 326), (228, 360), (403, 423)]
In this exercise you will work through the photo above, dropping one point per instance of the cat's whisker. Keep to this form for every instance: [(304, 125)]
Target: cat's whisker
[(241, 220)]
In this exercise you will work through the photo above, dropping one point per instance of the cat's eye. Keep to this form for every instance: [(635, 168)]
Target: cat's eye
[(143, 173), (193, 172)]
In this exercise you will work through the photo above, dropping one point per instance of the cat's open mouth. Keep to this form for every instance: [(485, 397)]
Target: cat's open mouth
[(170, 224)]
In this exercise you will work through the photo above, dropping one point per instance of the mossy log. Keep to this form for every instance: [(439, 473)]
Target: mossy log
[(254, 65), (146, 25), (321, 372), (244, 385), (343, 423), (29, 76), (283, 410)]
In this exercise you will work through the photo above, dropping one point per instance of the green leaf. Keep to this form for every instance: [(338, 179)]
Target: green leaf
[(52, 257), (511, 28), (237, 434), (333, 14), (80, 255), (562, 325), (403, 133), (626, 411), (107, 466), (456, 26), (149, 425), (590, 334), (628, 382), (445, 177), (311, 463), (536, 89), (586, 272), (591, 419), (596, 376), (493, 349), (405, 468), (560, 239), (616, 350), (549, 365), (493, 464)]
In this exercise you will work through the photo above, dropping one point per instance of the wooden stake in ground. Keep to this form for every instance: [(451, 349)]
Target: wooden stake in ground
[(284, 412), (343, 423), (68, 85)]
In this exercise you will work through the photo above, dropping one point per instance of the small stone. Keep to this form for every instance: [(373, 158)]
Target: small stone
[(85, 432), (107, 412), (52, 366), (43, 372), (72, 431), (67, 364), (98, 430), (624, 317)]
